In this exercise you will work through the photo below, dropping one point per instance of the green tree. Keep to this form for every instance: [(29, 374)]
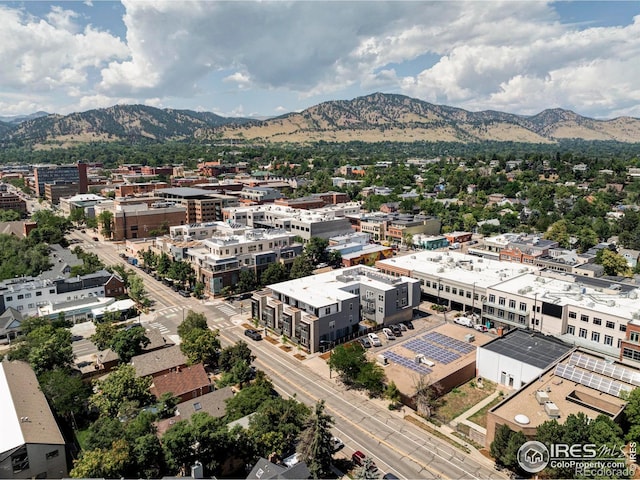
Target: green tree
[(66, 393), (246, 281), (105, 222), (198, 290), (238, 352), (558, 232), (613, 263), (367, 471), (163, 264), (103, 432), (274, 273), (136, 290), (347, 360), (201, 346), (248, 399), (182, 272), (371, 377), (498, 447), (77, 216), (239, 374), (316, 445), (276, 424), (8, 215), (129, 342), (45, 348), (392, 393), (99, 463), (316, 250), (104, 335), (301, 267), (193, 321), (121, 383)]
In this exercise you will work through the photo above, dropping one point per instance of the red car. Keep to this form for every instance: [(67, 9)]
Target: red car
[(358, 458)]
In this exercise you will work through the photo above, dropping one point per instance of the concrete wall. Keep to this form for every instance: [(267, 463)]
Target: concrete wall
[(491, 365)]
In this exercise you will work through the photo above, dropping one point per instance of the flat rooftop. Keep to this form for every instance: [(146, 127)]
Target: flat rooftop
[(532, 348), (328, 288), (570, 396), (572, 290), (445, 338), (460, 267)]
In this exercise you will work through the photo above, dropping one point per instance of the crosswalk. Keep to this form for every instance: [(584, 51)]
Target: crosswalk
[(163, 330), (170, 312), (226, 309)]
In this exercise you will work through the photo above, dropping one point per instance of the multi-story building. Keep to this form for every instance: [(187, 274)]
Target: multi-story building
[(219, 260), (53, 192), (140, 220), (129, 189), (325, 222), (201, 205), (28, 294), (328, 307), (259, 195), (85, 201), (11, 201), (396, 227), (74, 174), (32, 445)]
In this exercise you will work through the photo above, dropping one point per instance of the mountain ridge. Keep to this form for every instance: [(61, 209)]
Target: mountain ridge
[(371, 118)]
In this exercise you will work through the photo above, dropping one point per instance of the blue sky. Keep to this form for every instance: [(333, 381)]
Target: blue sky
[(244, 58)]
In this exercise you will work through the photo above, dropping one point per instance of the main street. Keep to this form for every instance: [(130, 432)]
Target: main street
[(396, 445)]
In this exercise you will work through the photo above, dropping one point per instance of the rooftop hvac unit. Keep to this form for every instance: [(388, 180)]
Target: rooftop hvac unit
[(420, 358), (469, 337), (542, 397), (382, 360), (552, 410)]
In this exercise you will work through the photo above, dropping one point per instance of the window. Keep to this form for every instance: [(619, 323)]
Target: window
[(610, 324), (380, 310), (584, 318), (582, 333), (597, 321), (571, 330), (523, 307), (381, 298), (447, 289), (492, 299), (608, 340), (20, 297), (501, 301), (20, 460), (632, 354), (572, 315), (27, 295), (38, 294), (9, 299), (623, 328), (52, 290), (512, 304), (634, 336), (595, 337), (52, 454)]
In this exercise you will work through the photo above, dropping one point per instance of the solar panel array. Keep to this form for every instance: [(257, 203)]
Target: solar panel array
[(431, 351), (608, 369), (405, 362), (449, 342), (592, 380)]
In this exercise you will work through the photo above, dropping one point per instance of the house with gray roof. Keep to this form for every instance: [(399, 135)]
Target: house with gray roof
[(159, 362), (31, 444), (10, 325)]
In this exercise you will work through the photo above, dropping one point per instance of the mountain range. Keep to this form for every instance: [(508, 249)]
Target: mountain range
[(373, 118)]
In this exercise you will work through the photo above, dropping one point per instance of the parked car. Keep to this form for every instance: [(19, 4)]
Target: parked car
[(253, 334), (292, 460), (409, 324), (403, 327), (388, 333), (464, 321), (184, 293), (481, 328), (374, 339), (358, 458), (337, 444), (397, 331), (364, 341), (95, 239)]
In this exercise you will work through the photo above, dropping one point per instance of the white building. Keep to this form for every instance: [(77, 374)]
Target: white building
[(518, 357), (31, 444)]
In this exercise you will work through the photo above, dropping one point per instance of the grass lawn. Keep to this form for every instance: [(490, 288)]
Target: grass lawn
[(461, 399), (81, 435), (480, 417)]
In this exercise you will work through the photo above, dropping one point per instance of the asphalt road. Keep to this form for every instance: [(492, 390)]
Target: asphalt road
[(395, 445)]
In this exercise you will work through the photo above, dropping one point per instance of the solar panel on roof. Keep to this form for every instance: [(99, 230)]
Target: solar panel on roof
[(583, 377), (600, 366)]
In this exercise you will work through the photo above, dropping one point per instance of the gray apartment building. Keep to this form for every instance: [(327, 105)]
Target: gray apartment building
[(329, 307)]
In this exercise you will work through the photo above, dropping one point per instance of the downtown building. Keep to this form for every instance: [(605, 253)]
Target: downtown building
[(328, 307)]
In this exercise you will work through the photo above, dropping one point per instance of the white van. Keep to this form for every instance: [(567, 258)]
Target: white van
[(464, 321)]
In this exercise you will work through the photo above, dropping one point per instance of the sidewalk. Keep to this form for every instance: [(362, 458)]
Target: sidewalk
[(463, 418)]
